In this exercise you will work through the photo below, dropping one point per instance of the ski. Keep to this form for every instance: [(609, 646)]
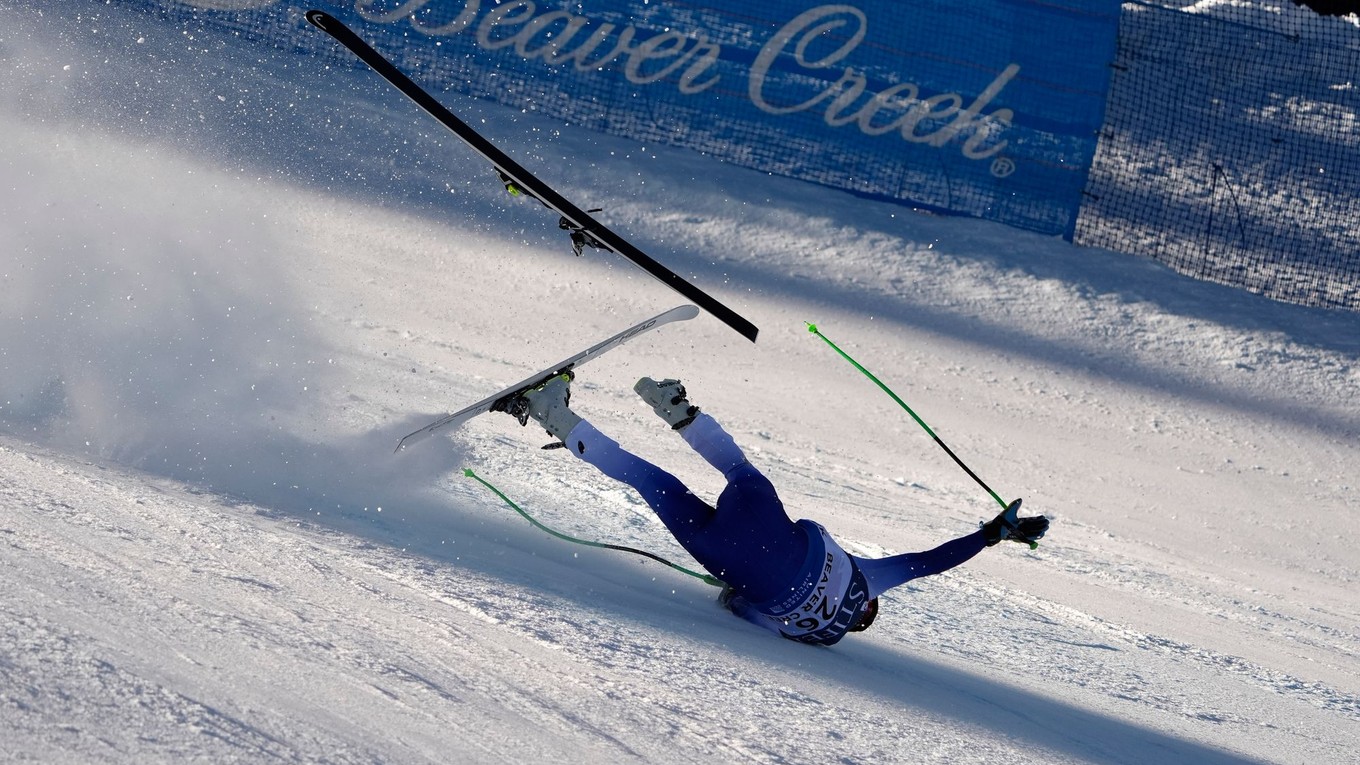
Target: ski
[(501, 400), (585, 230)]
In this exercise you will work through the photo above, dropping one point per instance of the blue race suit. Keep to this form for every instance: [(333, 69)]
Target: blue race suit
[(789, 577)]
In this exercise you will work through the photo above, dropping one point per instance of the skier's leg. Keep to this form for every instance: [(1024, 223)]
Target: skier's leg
[(748, 540), (685, 515), (714, 444), (751, 543), (883, 574), (703, 433), (748, 508)]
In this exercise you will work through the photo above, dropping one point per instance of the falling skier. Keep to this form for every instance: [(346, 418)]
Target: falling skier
[(786, 576)]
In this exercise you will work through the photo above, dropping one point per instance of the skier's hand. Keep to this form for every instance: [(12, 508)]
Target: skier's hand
[(1008, 525)]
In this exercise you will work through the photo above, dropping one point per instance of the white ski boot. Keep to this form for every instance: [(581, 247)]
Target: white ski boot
[(547, 405), (667, 399)]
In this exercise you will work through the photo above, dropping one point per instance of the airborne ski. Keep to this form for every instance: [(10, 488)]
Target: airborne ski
[(585, 230), (502, 400)]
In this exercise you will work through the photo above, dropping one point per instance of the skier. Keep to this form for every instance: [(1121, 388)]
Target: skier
[(788, 577)]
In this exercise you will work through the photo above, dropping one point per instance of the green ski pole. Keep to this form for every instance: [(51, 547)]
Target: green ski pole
[(534, 521), (813, 329)]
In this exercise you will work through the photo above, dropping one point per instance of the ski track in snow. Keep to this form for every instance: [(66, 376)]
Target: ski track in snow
[(210, 343)]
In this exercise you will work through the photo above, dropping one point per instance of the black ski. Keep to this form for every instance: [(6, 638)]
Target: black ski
[(585, 229)]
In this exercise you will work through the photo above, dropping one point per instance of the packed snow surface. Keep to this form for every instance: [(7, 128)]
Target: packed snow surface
[(231, 279)]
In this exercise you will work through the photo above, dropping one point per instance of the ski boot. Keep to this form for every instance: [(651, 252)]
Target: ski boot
[(1008, 525), (548, 406), (667, 399)]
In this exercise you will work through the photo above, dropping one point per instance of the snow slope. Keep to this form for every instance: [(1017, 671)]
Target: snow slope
[(232, 280)]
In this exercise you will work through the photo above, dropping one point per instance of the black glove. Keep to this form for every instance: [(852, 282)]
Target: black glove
[(1008, 525), (725, 597)]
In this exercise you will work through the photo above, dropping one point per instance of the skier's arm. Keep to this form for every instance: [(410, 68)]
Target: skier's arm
[(743, 608), (883, 574)]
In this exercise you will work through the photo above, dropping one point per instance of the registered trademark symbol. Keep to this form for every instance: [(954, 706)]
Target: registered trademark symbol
[(1002, 167)]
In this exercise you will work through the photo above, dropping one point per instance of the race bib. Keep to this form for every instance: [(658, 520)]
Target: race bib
[(828, 602)]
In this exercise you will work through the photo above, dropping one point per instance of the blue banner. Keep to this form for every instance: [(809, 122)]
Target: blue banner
[(989, 108)]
